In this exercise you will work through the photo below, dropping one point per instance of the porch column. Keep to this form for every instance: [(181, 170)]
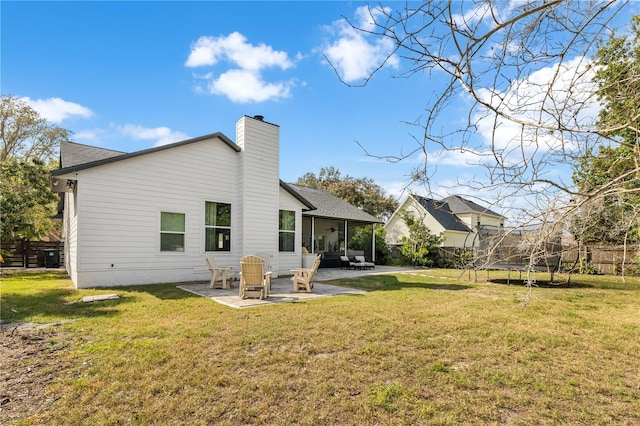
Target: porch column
[(313, 234), (346, 223), (373, 242)]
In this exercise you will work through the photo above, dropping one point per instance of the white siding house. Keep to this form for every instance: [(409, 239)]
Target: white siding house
[(149, 216), (460, 222)]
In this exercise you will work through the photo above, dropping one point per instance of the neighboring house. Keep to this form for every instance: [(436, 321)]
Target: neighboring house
[(460, 222), (150, 216)]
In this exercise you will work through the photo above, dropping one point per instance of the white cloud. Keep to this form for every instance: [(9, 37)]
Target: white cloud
[(235, 49), (485, 13), (563, 92), (398, 189), (453, 159), (244, 86), (366, 17), (472, 16), (161, 135), (57, 110), (89, 135), (243, 82), (354, 55)]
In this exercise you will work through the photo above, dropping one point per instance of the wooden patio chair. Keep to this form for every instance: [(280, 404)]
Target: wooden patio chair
[(303, 277), (254, 281), (221, 276)]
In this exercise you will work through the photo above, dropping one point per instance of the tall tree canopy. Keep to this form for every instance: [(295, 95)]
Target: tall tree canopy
[(360, 192), (608, 176), (26, 201), (24, 134), (28, 148), (618, 78)]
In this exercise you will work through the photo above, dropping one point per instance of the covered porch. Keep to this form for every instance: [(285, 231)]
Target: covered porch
[(335, 228), (332, 238)]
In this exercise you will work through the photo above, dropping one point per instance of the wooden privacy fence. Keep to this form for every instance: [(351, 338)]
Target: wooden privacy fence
[(600, 259), (31, 254), (603, 259)]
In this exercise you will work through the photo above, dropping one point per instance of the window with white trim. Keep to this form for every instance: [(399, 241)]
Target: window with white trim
[(172, 226), (287, 231), (217, 226)]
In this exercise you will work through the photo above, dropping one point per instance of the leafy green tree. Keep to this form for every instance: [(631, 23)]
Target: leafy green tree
[(617, 73), (608, 177), (28, 145), (608, 218), (360, 192), (26, 200), (25, 134), (361, 240), (421, 247)]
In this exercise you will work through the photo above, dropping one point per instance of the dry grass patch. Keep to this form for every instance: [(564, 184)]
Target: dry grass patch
[(416, 349)]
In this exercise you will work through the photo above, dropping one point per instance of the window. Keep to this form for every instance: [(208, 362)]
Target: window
[(287, 234), (217, 226), (171, 231)]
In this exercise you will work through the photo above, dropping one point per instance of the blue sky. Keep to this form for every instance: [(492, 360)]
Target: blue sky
[(128, 75), (132, 75)]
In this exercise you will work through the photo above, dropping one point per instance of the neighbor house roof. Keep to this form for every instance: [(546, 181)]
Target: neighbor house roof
[(459, 205), (441, 212), (330, 206)]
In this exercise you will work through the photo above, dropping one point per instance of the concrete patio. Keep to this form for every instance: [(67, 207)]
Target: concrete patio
[(282, 288)]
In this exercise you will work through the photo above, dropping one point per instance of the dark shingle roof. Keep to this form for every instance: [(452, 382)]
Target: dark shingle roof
[(75, 156), (442, 213), (459, 205), (330, 206), (297, 196), (106, 159)]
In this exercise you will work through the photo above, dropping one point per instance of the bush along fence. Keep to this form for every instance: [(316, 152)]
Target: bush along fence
[(33, 254)]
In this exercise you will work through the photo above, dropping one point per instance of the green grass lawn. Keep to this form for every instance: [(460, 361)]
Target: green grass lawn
[(422, 348)]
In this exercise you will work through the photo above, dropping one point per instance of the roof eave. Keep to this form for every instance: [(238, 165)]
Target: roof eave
[(297, 196), (91, 164), (352, 219)]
